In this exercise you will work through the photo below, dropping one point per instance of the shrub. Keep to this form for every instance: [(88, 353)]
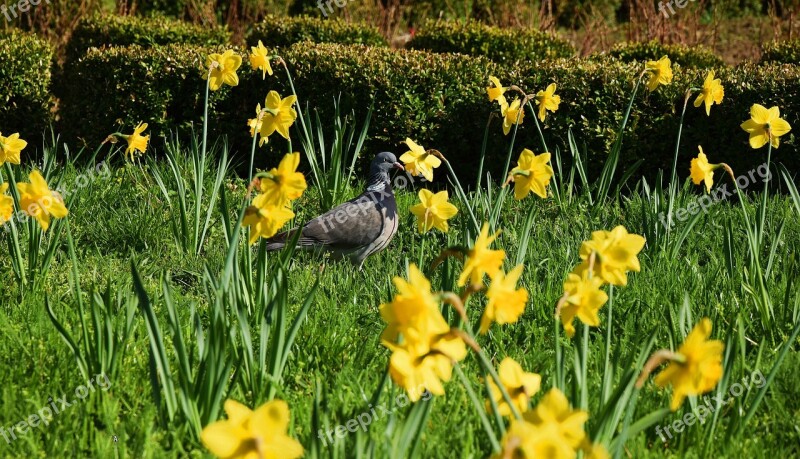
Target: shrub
[(279, 31), (594, 95), (571, 13), (500, 45), (173, 8), (440, 101), (100, 31), (697, 56), (161, 86), (25, 100), (781, 52)]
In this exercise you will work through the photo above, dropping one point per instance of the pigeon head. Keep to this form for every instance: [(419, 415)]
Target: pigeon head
[(379, 170), (385, 162)]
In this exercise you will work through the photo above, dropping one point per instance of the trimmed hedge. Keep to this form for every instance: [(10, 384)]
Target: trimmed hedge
[(161, 86), (500, 45), (781, 52), (278, 31), (104, 31), (440, 101), (25, 101), (696, 56), (174, 8)]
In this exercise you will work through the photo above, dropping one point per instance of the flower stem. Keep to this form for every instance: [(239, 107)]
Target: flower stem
[(468, 337), (672, 176), (487, 426), (459, 189), (205, 113), (299, 108), (765, 197), (556, 191), (483, 151)]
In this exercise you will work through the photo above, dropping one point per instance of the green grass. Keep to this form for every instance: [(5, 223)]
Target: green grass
[(337, 356)]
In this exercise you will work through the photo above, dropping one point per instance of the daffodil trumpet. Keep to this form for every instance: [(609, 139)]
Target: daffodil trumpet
[(513, 174)]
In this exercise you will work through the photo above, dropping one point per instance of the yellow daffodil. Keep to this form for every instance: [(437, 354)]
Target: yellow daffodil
[(547, 100), (255, 125), (10, 148), (418, 161), (496, 91), (702, 171), (529, 441), (38, 201), (252, 434), (506, 302), (533, 173), (712, 92), (6, 205), (696, 368), (284, 184), (414, 306), (554, 409), (616, 253), (137, 143), (222, 69), (510, 114), (433, 211), (582, 298), (660, 73), (551, 430), (259, 59), (765, 125), (265, 219), (482, 260), (415, 370), (279, 117), (594, 450), (519, 385)]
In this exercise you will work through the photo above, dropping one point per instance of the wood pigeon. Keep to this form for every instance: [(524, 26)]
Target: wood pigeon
[(359, 227)]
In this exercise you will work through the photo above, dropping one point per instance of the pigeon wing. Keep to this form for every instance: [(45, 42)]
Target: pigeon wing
[(349, 226)]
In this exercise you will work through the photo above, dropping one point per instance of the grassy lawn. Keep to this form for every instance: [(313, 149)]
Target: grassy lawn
[(119, 216)]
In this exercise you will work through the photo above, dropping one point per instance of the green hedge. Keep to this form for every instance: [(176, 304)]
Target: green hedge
[(696, 56), (161, 86), (440, 101), (500, 45), (279, 31), (174, 8), (112, 30), (781, 52), (25, 101)]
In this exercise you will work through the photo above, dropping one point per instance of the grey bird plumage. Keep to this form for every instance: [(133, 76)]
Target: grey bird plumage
[(359, 227)]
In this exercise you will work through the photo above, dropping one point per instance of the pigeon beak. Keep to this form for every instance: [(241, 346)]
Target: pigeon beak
[(399, 166)]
